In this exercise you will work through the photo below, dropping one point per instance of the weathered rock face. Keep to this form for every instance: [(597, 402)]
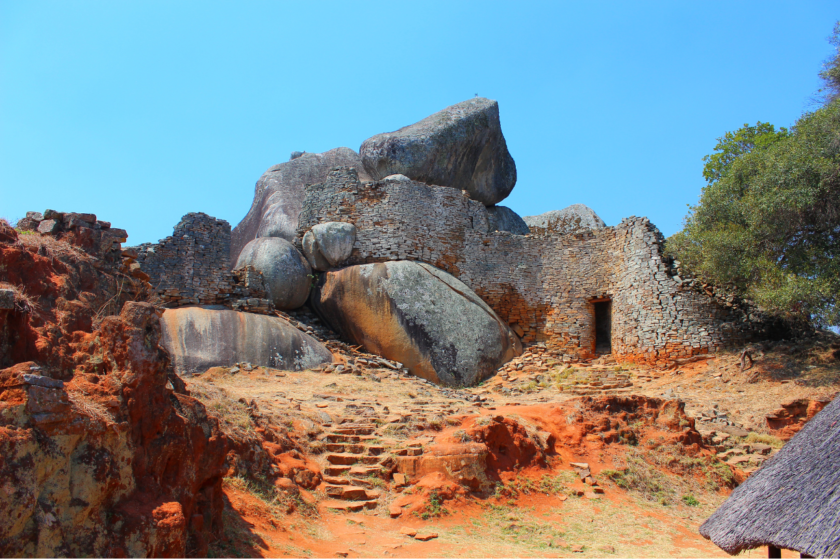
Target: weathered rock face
[(505, 219), (285, 271), (461, 146), (110, 463), (100, 455), (418, 315), (568, 220), (278, 196), (328, 245), (199, 338)]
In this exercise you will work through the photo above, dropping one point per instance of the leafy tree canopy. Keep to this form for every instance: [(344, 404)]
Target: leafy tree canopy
[(768, 221), (831, 71)]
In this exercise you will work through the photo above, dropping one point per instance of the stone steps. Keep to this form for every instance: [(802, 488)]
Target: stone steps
[(350, 506), (351, 492), (357, 459)]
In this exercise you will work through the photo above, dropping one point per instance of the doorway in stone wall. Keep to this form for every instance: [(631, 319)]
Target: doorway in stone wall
[(603, 326)]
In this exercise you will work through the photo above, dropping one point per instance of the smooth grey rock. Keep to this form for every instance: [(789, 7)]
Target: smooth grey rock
[(461, 146), (568, 220), (198, 338), (505, 219), (285, 271), (313, 254), (417, 315), (42, 381), (49, 227), (398, 178), (35, 216), (334, 240), (7, 299), (278, 196)]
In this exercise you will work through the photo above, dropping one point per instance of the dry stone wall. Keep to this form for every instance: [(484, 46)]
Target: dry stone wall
[(545, 286), (191, 267)]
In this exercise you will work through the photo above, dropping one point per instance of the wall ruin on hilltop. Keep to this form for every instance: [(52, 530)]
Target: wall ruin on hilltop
[(192, 267), (545, 286)]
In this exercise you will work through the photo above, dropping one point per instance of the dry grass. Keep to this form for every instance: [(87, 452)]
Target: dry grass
[(771, 440), (23, 301), (601, 528), (232, 413), (89, 407), (665, 475), (55, 248)]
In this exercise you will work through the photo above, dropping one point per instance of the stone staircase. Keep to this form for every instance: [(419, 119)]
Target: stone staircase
[(359, 465), (596, 382)]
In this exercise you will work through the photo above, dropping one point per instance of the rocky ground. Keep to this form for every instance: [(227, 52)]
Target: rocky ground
[(544, 459), (105, 451)]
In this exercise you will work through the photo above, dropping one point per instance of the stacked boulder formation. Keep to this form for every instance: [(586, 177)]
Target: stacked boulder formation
[(403, 249)]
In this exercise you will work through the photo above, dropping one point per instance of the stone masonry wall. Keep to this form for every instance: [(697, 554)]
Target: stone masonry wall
[(192, 267), (545, 285)]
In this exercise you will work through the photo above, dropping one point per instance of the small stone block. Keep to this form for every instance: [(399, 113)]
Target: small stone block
[(49, 227), (425, 537), (7, 299)]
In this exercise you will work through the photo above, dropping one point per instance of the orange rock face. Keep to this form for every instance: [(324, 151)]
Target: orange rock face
[(786, 421), (100, 453)]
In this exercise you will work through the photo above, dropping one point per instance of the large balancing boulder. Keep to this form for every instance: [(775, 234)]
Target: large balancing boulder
[(328, 245), (286, 272), (418, 315), (461, 146), (278, 196), (198, 338), (576, 217)]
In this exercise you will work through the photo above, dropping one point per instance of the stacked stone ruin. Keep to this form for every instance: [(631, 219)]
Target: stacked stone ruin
[(544, 286), (190, 267), (550, 285)]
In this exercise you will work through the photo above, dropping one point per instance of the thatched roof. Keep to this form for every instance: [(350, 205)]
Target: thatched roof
[(793, 502)]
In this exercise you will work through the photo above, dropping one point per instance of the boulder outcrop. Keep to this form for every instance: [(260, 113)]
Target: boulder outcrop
[(418, 315), (278, 195), (328, 245), (574, 218), (461, 146), (103, 451), (198, 338), (284, 270), (505, 219)]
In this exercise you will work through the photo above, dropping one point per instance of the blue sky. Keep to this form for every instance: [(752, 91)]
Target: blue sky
[(143, 111)]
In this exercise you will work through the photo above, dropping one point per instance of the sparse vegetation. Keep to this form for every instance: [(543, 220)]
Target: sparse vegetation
[(762, 438), (434, 508), (690, 500)]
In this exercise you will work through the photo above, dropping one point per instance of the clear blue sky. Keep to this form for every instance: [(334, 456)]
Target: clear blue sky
[(143, 111)]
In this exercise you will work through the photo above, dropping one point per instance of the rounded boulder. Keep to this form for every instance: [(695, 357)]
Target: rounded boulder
[(198, 338), (286, 272), (328, 245), (416, 314)]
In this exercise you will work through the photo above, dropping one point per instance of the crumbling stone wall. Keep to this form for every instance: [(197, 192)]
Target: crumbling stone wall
[(543, 285), (191, 267)]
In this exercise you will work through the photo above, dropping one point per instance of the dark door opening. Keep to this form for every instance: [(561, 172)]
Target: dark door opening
[(603, 327)]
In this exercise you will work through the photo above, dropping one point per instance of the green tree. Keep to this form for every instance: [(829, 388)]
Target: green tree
[(768, 221), (831, 69)]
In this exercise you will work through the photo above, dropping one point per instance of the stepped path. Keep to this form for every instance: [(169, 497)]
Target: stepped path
[(364, 453)]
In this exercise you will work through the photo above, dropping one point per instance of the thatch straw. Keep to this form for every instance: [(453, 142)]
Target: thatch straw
[(793, 502)]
